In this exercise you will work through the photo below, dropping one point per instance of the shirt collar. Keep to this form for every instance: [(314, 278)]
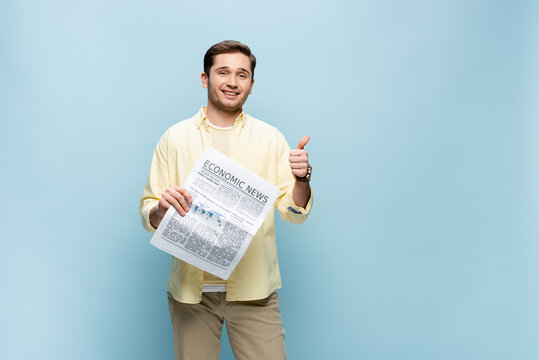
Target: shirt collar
[(202, 119)]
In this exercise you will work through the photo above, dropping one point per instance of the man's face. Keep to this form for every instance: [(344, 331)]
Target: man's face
[(229, 82)]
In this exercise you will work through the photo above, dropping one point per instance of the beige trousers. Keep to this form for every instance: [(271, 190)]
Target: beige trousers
[(255, 328)]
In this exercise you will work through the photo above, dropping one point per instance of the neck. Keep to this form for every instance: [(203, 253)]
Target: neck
[(221, 117)]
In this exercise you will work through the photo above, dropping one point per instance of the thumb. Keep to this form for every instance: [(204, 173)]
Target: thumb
[(304, 140)]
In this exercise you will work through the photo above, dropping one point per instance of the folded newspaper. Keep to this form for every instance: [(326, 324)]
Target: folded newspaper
[(230, 203)]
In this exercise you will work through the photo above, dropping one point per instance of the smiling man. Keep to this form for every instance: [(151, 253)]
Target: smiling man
[(199, 302)]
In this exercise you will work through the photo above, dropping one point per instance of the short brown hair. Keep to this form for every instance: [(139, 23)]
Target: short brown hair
[(228, 47)]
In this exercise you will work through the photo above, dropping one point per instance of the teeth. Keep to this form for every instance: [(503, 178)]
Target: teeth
[(229, 93)]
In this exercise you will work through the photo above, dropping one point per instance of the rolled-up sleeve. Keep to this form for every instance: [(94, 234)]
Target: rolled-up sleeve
[(158, 181), (288, 210)]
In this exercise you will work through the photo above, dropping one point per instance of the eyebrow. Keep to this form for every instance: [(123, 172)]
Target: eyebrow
[(227, 68)]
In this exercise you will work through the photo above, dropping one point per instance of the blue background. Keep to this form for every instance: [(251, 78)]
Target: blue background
[(424, 124)]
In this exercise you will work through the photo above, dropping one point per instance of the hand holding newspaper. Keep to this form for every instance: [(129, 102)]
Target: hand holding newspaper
[(229, 205)]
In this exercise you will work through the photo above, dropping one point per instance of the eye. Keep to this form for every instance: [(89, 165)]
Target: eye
[(222, 72), (243, 76)]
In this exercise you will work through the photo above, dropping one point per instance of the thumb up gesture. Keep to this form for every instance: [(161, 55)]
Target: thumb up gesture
[(299, 159)]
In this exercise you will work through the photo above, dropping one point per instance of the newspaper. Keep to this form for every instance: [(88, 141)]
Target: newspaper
[(229, 205)]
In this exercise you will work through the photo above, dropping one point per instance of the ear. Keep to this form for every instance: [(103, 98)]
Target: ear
[(251, 88), (204, 79)]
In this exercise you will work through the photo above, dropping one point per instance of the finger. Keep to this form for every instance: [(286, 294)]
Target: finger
[(172, 201), (299, 173), (298, 159), (182, 201), (185, 193), (298, 165), (297, 152), (304, 140)]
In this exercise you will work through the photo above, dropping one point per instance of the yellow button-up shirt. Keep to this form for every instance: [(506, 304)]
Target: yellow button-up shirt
[(262, 149)]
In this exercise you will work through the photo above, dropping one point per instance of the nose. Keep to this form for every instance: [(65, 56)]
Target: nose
[(231, 81)]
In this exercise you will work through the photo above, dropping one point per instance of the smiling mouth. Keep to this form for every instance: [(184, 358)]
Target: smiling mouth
[(230, 93)]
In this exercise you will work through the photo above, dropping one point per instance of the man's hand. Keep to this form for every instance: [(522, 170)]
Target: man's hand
[(299, 162), (175, 196), (299, 159)]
